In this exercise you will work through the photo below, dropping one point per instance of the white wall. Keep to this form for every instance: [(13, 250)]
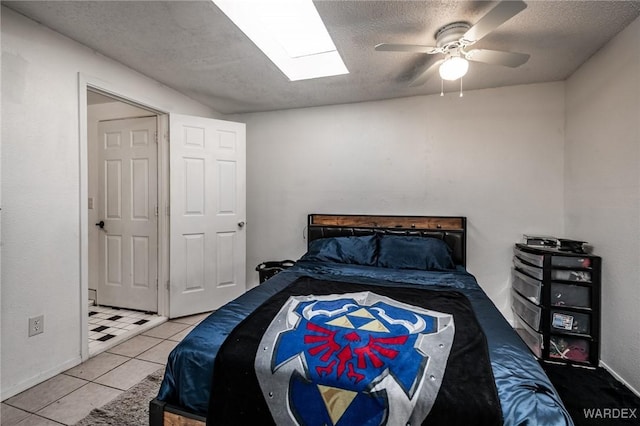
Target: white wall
[(41, 195), (495, 156), (602, 188)]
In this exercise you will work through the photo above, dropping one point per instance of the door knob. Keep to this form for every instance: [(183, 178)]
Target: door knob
[(240, 224), (100, 224)]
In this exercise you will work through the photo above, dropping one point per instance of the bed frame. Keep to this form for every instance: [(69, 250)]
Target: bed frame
[(450, 229)]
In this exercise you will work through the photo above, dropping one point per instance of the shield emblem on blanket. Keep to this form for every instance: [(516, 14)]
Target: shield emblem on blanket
[(357, 358)]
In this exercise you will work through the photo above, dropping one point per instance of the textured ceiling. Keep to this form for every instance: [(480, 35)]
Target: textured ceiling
[(192, 47)]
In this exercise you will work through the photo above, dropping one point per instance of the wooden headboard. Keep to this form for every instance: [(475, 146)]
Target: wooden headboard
[(451, 229)]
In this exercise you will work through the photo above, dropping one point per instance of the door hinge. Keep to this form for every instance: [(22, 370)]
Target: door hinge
[(155, 136), (167, 284), (155, 209)]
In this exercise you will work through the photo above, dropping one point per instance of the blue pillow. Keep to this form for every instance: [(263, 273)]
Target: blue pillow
[(355, 250), (406, 252)]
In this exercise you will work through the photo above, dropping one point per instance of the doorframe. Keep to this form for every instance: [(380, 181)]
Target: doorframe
[(86, 82)]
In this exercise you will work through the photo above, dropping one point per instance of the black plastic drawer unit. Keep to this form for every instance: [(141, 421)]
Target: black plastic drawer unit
[(529, 312), (528, 287), (555, 298)]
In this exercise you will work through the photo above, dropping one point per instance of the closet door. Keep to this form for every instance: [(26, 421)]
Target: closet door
[(207, 170), (128, 226)]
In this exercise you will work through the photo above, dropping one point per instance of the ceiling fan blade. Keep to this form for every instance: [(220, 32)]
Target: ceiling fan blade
[(497, 16), (425, 74), (496, 57), (417, 48)]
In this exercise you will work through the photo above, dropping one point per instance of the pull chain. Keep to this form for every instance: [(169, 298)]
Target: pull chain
[(461, 95), (441, 87)]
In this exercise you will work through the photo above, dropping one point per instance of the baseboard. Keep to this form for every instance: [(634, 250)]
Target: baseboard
[(618, 378), (38, 378), (93, 295)]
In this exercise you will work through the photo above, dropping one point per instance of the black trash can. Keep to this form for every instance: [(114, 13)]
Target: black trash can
[(268, 269)]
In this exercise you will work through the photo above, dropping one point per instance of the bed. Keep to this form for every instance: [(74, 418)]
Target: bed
[(364, 329)]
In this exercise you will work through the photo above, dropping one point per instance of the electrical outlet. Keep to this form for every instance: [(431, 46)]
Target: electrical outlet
[(36, 325)]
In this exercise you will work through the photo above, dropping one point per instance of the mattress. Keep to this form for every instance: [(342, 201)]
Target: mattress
[(525, 393)]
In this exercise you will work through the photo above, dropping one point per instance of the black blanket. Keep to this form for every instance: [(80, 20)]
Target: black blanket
[(369, 355)]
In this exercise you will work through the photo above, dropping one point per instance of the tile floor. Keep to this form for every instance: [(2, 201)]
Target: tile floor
[(70, 396), (110, 326)]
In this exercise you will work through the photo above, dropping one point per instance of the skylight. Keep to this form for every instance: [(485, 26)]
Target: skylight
[(291, 34)]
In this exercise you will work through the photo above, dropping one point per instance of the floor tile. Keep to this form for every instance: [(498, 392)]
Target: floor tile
[(10, 416), (179, 336), (79, 403), (46, 392), (128, 374), (129, 320), (35, 420), (165, 330), (135, 346), (192, 319), (97, 366), (102, 342), (158, 353)]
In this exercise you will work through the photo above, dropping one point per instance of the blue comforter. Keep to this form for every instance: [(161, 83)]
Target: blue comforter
[(526, 395)]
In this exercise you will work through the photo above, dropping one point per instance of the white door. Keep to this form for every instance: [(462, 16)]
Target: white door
[(127, 206), (207, 190)]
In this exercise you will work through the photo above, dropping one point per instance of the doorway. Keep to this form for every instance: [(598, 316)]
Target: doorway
[(201, 232), (123, 221)]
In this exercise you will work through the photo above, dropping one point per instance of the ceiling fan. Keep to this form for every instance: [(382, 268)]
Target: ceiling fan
[(453, 40)]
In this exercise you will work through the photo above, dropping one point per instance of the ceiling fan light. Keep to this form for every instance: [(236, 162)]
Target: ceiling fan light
[(454, 68)]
